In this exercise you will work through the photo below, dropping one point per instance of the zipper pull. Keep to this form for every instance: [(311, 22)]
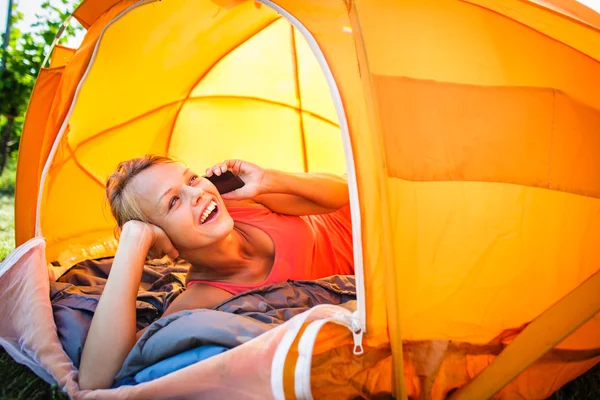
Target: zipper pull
[(352, 322), (358, 347), (357, 334)]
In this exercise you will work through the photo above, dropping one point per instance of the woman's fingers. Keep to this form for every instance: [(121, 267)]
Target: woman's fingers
[(161, 251), (219, 169), (161, 244), (233, 195), (173, 253), (235, 166)]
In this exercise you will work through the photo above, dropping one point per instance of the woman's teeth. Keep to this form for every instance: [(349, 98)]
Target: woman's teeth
[(208, 210)]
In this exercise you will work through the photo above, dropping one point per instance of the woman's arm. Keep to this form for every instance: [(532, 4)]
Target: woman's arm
[(112, 334), (303, 193), (284, 192)]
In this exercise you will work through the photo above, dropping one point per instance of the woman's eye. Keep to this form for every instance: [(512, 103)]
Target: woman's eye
[(193, 179), (173, 201)]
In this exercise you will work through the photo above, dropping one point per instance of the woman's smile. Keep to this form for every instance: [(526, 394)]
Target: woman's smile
[(210, 213)]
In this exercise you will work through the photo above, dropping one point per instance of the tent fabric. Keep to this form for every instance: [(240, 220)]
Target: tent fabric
[(50, 115), (61, 55), (469, 131), (88, 11), (28, 332), (42, 96)]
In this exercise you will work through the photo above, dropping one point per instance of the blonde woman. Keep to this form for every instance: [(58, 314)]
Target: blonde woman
[(278, 226)]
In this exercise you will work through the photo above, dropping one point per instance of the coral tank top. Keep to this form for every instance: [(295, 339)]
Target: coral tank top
[(306, 247)]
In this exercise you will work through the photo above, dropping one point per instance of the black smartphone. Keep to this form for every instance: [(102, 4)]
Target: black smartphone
[(226, 182)]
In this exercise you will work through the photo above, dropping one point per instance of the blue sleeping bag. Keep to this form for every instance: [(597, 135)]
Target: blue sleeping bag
[(172, 364)]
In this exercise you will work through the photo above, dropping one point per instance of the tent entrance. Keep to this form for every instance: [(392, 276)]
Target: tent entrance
[(201, 83)]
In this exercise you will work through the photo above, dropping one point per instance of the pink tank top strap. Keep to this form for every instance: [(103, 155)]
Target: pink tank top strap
[(228, 287)]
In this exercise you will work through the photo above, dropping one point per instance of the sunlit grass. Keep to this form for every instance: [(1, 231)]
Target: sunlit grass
[(8, 179), (18, 382), (7, 225)]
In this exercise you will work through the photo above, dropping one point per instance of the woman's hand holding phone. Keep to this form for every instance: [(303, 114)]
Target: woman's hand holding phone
[(252, 177)]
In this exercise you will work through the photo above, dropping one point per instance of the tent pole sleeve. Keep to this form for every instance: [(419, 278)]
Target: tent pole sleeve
[(539, 337)]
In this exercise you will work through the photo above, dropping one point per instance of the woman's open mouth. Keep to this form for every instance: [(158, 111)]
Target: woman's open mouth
[(210, 213)]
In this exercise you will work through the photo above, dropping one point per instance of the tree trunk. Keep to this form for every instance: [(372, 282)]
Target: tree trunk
[(6, 133)]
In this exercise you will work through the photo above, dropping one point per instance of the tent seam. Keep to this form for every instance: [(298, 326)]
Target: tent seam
[(124, 123), (81, 167), (156, 109), (203, 75), (542, 186), (272, 102), (597, 60)]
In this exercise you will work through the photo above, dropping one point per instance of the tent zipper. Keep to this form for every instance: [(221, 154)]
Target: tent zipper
[(358, 322), (353, 323)]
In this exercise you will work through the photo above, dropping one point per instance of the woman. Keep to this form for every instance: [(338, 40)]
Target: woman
[(278, 226)]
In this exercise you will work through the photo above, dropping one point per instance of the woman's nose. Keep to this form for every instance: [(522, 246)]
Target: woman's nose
[(195, 193)]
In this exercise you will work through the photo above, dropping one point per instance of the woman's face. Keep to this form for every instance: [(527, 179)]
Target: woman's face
[(187, 207)]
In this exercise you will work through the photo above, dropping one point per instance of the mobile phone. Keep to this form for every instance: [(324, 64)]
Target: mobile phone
[(226, 182)]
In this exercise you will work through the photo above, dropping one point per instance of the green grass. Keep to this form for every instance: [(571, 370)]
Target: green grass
[(7, 225), (8, 179), (7, 209), (18, 382)]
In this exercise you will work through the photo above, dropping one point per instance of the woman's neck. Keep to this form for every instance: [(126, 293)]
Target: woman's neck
[(222, 259)]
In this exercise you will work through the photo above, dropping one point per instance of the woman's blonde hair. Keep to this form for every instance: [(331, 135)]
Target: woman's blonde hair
[(120, 197)]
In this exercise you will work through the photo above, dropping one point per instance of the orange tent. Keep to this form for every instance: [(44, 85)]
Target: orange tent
[(470, 134)]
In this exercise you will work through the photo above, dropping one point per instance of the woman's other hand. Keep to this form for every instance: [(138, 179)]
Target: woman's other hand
[(158, 241), (252, 176)]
